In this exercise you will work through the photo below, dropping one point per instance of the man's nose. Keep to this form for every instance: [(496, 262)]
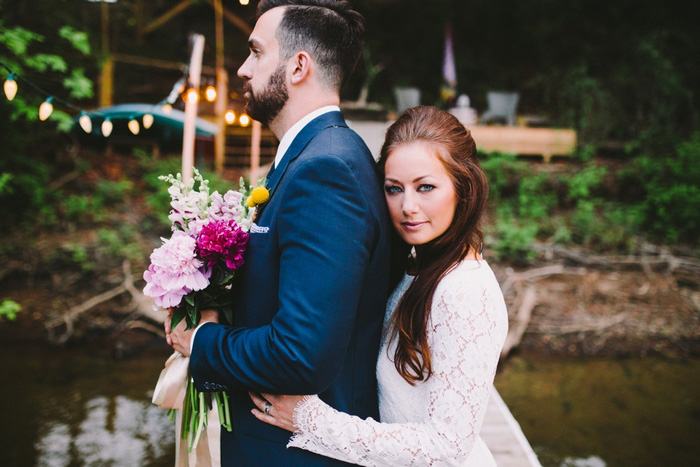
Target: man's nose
[(244, 70)]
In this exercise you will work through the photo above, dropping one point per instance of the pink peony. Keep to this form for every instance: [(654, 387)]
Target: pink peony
[(222, 240), (175, 271)]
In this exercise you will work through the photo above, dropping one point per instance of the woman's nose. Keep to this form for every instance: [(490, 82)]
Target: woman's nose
[(410, 204)]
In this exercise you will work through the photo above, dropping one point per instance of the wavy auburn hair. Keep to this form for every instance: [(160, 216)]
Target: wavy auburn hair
[(454, 146)]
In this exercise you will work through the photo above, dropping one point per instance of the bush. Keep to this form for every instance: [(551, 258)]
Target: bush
[(670, 204)]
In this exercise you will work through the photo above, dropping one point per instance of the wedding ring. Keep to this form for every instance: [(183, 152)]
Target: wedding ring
[(267, 408)]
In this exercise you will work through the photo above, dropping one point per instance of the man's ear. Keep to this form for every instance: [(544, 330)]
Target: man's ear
[(302, 67)]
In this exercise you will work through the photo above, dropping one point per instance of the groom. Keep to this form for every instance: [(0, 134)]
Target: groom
[(312, 293)]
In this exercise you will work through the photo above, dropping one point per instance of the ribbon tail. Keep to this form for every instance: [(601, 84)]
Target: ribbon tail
[(169, 392)]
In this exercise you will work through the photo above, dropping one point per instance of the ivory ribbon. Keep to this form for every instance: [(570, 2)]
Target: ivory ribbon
[(170, 394)]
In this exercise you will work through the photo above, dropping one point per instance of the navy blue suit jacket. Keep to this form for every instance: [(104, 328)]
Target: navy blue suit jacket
[(310, 297)]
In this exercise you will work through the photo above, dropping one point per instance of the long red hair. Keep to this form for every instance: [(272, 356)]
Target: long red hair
[(453, 144)]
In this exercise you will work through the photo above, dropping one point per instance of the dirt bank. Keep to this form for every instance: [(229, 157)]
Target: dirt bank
[(574, 310)]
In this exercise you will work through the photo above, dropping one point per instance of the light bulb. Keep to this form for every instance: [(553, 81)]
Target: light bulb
[(45, 109), (210, 93), (147, 121), (192, 95), (10, 87), (244, 2), (244, 120), (107, 127), (134, 126), (230, 117), (85, 122), (166, 108)]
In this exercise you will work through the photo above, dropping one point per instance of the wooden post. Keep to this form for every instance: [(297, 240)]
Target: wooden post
[(191, 108), (107, 72), (221, 91)]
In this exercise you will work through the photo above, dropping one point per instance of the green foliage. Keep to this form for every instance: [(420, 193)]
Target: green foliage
[(120, 243), (111, 192), (532, 202), (9, 309), (78, 39), (5, 179), (511, 239), (79, 86), (80, 256), (670, 185), (18, 39)]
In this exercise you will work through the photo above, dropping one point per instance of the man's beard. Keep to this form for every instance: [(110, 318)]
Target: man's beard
[(268, 103)]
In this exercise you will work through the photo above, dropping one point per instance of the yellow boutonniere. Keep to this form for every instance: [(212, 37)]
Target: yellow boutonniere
[(258, 196)]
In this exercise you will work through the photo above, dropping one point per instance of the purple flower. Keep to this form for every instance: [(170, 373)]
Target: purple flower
[(222, 240), (175, 271)]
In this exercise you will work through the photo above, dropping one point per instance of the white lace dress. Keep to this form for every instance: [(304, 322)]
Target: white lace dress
[(436, 422)]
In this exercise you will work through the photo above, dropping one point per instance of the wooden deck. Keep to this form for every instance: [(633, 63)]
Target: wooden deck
[(544, 142), (502, 434)]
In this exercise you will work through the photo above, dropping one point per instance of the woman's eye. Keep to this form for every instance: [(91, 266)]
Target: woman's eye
[(391, 189), (425, 188)]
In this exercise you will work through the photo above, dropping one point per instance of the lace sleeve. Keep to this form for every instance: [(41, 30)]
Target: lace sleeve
[(466, 334)]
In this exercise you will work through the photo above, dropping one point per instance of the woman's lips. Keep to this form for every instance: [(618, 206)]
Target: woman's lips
[(412, 226)]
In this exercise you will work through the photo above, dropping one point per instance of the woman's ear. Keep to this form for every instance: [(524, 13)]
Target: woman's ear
[(302, 67)]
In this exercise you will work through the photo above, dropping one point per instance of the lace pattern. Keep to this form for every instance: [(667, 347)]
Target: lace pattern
[(435, 422)]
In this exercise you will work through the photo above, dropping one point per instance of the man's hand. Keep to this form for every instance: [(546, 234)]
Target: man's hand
[(179, 338)]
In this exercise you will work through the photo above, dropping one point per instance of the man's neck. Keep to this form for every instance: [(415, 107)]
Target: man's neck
[(295, 110)]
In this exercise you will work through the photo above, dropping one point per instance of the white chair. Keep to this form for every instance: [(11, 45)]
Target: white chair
[(502, 107)]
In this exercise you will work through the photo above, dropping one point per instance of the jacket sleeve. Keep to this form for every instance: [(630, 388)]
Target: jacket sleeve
[(326, 236)]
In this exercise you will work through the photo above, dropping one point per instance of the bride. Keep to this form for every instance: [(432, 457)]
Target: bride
[(445, 323)]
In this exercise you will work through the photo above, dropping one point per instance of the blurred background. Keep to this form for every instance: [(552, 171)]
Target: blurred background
[(586, 117)]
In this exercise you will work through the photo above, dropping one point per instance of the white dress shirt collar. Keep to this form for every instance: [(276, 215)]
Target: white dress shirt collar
[(292, 133)]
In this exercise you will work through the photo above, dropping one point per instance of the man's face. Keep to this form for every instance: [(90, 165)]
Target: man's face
[(265, 87)]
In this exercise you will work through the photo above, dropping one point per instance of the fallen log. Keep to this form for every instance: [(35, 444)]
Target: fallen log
[(522, 320)]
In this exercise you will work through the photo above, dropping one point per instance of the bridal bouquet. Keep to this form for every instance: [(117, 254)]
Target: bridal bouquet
[(192, 271)]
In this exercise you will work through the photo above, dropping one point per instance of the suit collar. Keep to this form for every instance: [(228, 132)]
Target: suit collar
[(316, 125)]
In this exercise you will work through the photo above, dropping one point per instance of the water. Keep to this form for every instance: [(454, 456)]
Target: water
[(606, 412), (80, 407)]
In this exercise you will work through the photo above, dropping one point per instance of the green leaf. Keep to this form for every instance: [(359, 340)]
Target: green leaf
[(228, 314), (9, 308), (18, 39), (42, 62), (78, 39), (78, 84), (176, 317)]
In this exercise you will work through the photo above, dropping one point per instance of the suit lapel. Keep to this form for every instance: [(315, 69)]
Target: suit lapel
[(307, 133)]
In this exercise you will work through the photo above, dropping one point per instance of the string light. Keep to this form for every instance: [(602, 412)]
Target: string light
[(134, 126), (147, 121), (167, 108), (107, 127), (85, 122), (244, 120), (244, 2), (45, 109), (192, 95), (210, 93), (10, 87), (230, 117)]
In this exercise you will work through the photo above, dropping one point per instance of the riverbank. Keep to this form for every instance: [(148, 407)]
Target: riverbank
[(575, 311)]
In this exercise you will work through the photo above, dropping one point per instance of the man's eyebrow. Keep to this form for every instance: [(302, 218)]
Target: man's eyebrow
[(253, 44)]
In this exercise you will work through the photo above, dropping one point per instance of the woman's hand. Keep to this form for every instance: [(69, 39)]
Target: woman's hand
[(280, 409)]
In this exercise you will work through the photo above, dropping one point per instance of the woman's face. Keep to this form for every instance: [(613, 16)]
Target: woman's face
[(419, 192)]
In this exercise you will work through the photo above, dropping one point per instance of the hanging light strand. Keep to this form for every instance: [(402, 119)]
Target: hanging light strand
[(181, 89)]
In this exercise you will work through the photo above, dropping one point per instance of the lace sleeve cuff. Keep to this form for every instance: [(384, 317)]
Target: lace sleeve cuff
[(305, 412)]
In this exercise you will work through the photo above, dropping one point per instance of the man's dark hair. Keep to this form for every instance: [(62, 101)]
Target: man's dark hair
[(331, 31)]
